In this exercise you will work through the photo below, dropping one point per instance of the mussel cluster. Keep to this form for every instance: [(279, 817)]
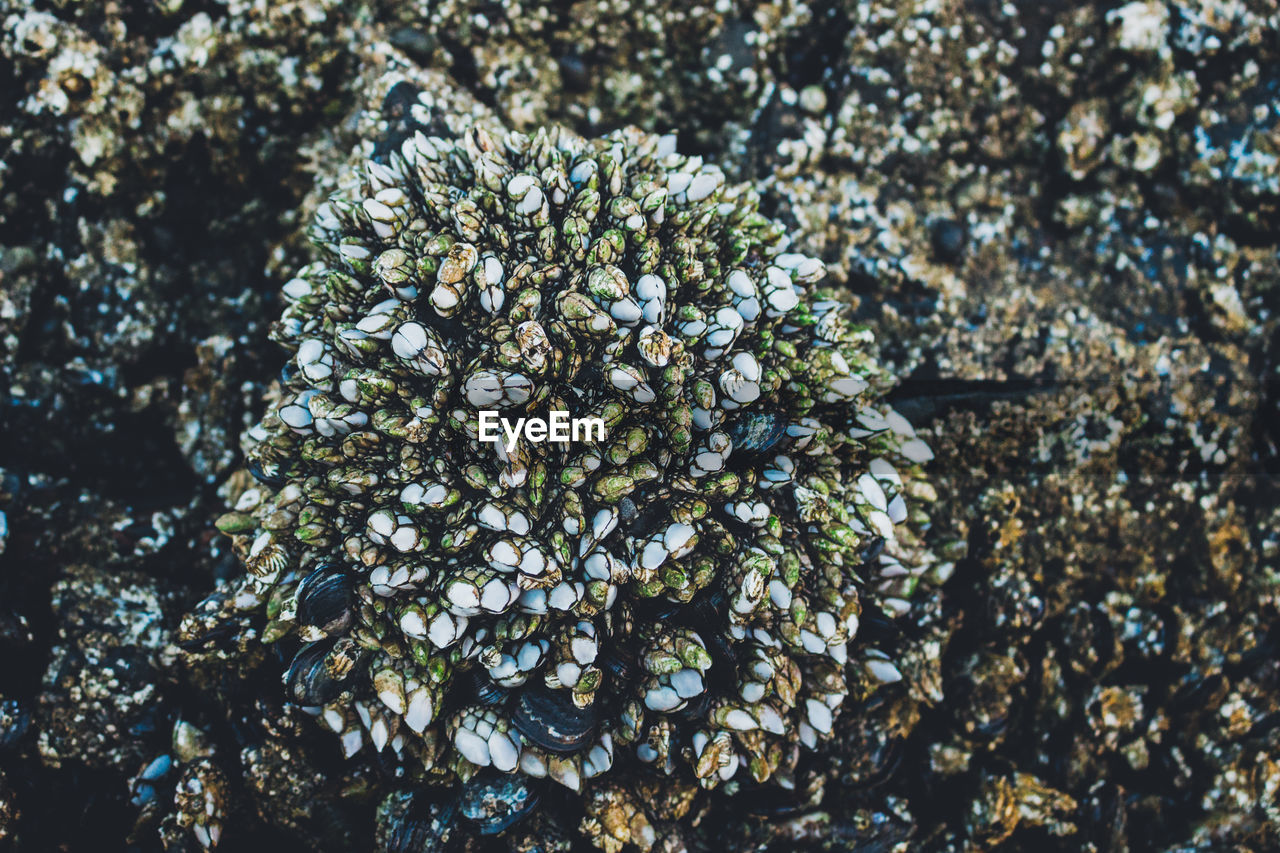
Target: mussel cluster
[(685, 594)]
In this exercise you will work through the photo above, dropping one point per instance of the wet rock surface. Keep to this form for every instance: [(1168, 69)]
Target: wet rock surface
[(1060, 223)]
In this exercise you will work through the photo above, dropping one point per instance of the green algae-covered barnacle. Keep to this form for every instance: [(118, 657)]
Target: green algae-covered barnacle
[(684, 594)]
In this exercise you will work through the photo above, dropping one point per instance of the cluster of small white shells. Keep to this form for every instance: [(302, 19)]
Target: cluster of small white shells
[(476, 273)]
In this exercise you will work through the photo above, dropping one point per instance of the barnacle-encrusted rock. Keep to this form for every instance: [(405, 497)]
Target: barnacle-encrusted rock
[(102, 676), (684, 594)]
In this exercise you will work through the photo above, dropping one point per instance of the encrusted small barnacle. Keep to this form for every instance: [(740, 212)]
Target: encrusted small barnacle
[(451, 288), (685, 591), (201, 802)]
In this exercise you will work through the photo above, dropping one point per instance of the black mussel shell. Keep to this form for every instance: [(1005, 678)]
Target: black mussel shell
[(221, 632), (403, 121), (878, 756), (551, 720), (496, 802), (949, 238), (272, 717), (325, 599), (695, 711), (421, 827), (15, 633), (220, 635), (620, 666), (724, 665), (771, 801), (267, 473), (15, 720), (664, 609), (318, 675), (1104, 817), (711, 608), (1198, 693), (878, 832), (643, 517), (541, 833), (485, 690), (875, 626), (756, 432), (872, 549)]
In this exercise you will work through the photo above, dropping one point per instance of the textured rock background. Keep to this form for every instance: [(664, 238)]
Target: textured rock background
[(1061, 222)]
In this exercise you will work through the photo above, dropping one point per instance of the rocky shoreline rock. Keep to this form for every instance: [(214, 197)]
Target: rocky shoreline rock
[(1060, 223)]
